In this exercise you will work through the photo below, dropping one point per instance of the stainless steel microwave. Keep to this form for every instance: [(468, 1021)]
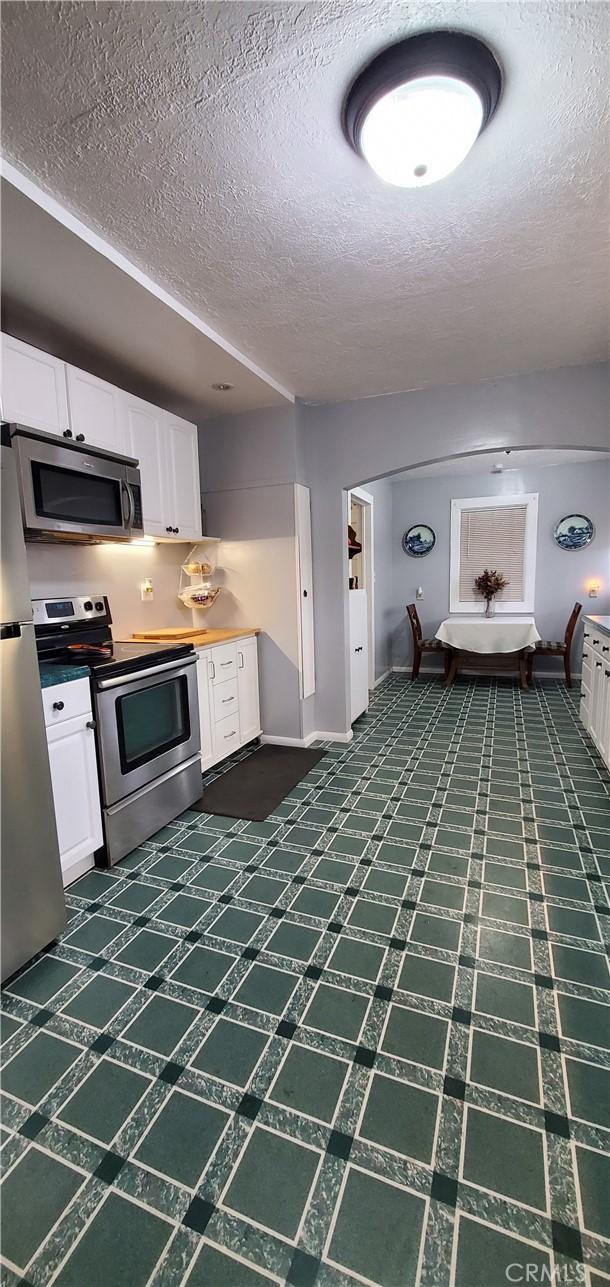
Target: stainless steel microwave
[(71, 492)]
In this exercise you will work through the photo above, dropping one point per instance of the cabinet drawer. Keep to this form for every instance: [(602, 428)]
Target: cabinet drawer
[(64, 701), (225, 699), (225, 736), (223, 663)]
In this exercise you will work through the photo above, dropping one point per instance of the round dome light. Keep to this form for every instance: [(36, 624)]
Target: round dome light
[(416, 110)]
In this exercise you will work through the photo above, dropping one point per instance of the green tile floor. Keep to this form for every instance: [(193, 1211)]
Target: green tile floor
[(365, 1041)]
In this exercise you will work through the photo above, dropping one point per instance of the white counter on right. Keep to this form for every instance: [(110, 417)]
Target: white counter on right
[(595, 691)]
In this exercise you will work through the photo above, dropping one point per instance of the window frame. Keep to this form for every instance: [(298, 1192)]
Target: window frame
[(530, 500)]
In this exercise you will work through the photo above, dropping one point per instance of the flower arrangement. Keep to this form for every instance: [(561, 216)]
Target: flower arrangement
[(488, 584)]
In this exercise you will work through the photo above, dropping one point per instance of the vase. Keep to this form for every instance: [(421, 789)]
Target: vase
[(489, 608)]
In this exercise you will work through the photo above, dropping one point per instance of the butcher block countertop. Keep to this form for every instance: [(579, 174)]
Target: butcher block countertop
[(199, 638)]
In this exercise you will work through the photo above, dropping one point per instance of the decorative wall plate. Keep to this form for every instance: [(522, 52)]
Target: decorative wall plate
[(418, 540), (573, 532)]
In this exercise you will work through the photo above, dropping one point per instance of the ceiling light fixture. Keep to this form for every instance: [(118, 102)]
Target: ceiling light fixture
[(221, 388), (415, 111)]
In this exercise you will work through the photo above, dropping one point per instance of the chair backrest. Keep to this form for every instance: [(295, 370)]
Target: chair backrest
[(571, 626), (415, 621)]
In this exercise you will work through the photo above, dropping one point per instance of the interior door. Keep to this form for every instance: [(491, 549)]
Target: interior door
[(305, 590), (359, 667)]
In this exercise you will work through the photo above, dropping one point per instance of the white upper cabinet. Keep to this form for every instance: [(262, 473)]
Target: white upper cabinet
[(146, 441), (44, 393), (183, 490), (33, 387), (97, 413)]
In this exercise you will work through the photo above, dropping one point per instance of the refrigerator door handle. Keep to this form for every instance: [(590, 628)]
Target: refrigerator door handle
[(12, 631)]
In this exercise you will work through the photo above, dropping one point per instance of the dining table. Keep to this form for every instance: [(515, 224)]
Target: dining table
[(479, 642)]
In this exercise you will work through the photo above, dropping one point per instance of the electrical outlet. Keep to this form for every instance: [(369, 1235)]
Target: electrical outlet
[(146, 590)]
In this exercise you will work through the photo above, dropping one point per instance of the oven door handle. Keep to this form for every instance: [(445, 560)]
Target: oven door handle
[(131, 509), (166, 668)]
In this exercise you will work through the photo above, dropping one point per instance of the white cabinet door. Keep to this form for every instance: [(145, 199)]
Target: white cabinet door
[(358, 646), (247, 684), (33, 387), (75, 791), (302, 505), (146, 441), (184, 491), (204, 685), (96, 411)]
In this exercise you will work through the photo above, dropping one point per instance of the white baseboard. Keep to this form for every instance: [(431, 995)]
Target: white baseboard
[(333, 737), (381, 678), (307, 741), (538, 673), (272, 740)]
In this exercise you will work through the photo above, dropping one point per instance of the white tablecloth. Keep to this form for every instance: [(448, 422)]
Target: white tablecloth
[(501, 633)]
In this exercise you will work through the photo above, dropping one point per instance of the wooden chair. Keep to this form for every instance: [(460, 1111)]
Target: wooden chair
[(424, 645), (546, 648)]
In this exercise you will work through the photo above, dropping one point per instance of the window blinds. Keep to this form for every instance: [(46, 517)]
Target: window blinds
[(493, 538)]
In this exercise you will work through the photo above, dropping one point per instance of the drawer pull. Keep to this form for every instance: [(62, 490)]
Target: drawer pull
[(58, 706), (228, 735), (213, 675), (240, 660), (226, 663), (227, 699)]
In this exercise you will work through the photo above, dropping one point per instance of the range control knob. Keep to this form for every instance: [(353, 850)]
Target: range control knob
[(88, 606), (99, 607)]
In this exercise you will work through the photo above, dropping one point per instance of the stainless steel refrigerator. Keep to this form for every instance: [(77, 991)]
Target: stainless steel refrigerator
[(31, 892)]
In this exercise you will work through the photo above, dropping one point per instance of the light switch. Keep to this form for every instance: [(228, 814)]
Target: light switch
[(419, 593), (146, 590)]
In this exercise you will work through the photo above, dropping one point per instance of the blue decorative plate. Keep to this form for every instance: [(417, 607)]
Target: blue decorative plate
[(573, 532), (418, 540)]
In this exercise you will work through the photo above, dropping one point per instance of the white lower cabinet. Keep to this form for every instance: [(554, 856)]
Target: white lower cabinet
[(247, 687), (71, 743), (595, 686), (229, 712)]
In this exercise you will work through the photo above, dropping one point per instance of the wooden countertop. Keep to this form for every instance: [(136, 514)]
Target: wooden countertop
[(199, 638)]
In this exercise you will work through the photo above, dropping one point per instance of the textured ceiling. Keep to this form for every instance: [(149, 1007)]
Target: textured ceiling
[(203, 140)]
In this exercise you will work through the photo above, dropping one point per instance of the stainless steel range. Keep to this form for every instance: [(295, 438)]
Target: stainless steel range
[(146, 718)]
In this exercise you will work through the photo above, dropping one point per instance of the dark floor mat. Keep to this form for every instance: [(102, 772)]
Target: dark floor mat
[(255, 786)]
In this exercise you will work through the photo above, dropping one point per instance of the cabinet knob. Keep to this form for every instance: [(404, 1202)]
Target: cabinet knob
[(595, 641), (606, 648), (168, 529), (58, 706), (598, 665), (585, 654), (304, 594), (176, 530), (91, 723), (80, 437), (67, 433)]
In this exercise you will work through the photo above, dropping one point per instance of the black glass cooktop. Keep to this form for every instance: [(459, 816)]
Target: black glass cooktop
[(108, 658)]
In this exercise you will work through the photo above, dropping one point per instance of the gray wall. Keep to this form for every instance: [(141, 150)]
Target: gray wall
[(349, 443), (248, 466), (560, 576)]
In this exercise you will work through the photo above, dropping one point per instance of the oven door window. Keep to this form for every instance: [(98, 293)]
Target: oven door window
[(152, 720), (71, 496)]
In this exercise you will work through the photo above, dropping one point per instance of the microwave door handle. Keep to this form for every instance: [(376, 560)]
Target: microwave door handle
[(130, 515)]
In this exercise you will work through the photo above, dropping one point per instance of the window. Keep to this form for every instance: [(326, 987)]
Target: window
[(496, 532)]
